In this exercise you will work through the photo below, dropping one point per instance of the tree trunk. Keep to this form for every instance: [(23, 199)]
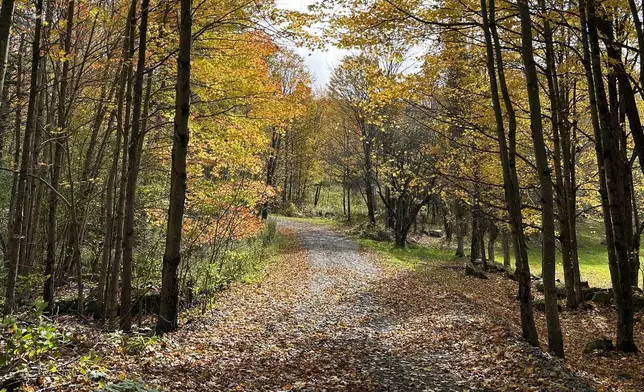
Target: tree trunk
[(17, 144), (367, 150), (36, 186), (17, 240), (134, 160), (493, 233), (168, 314), (461, 227), (349, 204), (109, 225), (555, 340), (74, 233), (4, 121), (506, 251), (508, 164), (287, 163), (619, 262), (628, 107), (561, 196), (56, 155), (122, 124), (271, 167), (475, 246), (6, 22), (568, 145)]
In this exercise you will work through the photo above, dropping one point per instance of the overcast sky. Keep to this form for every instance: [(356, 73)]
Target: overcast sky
[(319, 63)]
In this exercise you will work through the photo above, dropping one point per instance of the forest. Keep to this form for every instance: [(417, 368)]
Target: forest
[(187, 204)]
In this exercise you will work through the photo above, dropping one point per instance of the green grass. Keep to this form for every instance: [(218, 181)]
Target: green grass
[(331, 202), (407, 257), (256, 270), (593, 256)]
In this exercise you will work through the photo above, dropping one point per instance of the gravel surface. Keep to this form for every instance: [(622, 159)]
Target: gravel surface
[(340, 304)]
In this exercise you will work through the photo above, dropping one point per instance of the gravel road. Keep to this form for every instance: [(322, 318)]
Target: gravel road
[(339, 304)]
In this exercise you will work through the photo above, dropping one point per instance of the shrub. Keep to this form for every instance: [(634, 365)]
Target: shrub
[(137, 345), (290, 210), (28, 341)]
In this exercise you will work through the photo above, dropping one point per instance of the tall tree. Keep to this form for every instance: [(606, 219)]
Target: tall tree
[(6, 21), (134, 159), (18, 237), (167, 320), (507, 149), (615, 219), (555, 339)]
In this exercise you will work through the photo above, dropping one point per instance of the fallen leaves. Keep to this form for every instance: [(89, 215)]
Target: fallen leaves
[(333, 318)]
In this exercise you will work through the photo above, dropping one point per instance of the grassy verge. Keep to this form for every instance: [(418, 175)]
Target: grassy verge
[(407, 257), (257, 270)]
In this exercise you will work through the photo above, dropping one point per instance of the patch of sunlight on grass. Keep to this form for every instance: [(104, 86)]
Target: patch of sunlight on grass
[(593, 256), (277, 248), (407, 257)]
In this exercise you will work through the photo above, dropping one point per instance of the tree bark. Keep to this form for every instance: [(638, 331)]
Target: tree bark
[(461, 227), (17, 143), (109, 225), (560, 194), (271, 166), (367, 149), (18, 238), (555, 340), (134, 160), (122, 124), (506, 251), (168, 314), (508, 163), (615, 218), (6, 22), (493, 233), (40, 171)]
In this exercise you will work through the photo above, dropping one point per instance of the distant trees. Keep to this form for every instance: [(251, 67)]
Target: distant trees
[(405, 182), (288, 71), (350, 88), (396, 160)]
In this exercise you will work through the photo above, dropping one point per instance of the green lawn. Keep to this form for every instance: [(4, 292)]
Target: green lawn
[(409, 256), (593, 257)]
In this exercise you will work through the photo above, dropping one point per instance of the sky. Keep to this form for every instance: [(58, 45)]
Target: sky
[(319, 63)]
